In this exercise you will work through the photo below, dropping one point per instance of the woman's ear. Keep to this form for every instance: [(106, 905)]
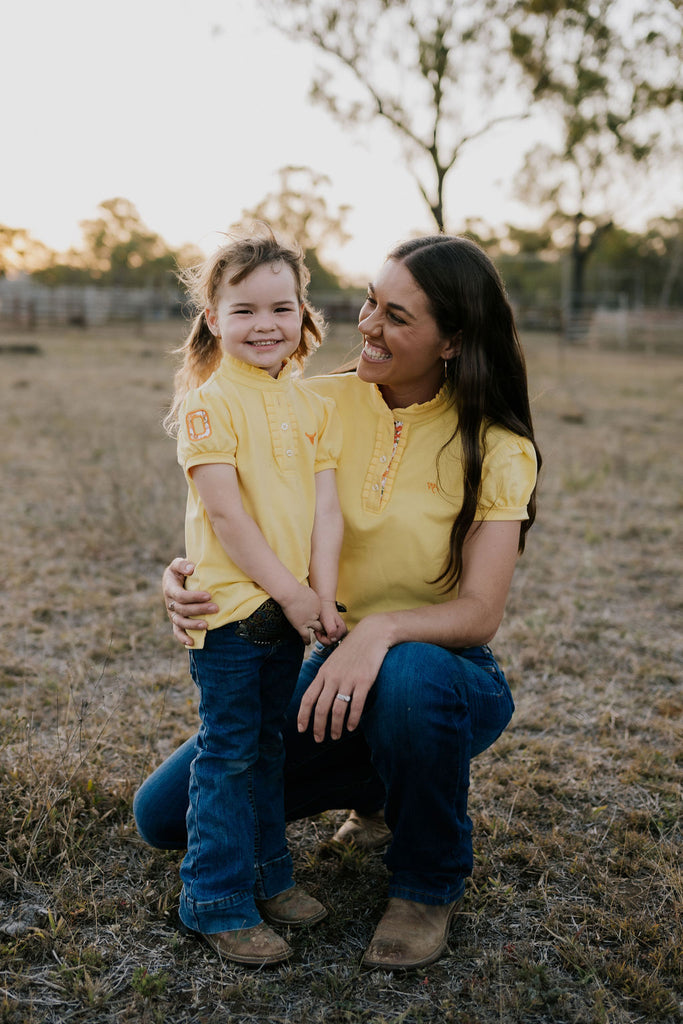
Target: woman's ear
[(453, 346), (211, 322)]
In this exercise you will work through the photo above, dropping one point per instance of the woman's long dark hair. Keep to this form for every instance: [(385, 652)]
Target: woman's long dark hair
[(488, 378)]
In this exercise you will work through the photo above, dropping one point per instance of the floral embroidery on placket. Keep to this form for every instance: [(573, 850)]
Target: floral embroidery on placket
[(398, 427)]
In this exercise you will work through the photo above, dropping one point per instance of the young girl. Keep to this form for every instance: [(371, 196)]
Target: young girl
[(264, 529)]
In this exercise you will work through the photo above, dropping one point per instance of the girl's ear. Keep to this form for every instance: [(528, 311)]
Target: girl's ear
[(453, 346), (211, 322)]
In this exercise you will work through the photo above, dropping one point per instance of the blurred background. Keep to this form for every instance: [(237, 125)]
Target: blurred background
[(548, 131)]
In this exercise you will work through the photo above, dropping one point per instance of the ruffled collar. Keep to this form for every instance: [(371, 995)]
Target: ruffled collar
[(254, 376), (419, 410)]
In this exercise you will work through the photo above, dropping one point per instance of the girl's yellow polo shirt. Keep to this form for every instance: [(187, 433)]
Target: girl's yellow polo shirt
[(397, 524), (278, 434)]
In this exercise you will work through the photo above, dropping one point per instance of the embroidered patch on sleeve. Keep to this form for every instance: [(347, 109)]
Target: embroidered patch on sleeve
[(198, 425)]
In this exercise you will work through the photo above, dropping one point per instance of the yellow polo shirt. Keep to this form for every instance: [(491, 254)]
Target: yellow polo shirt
[(397, 524), (278, 434)]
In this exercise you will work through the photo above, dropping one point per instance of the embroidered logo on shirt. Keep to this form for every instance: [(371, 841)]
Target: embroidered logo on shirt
[(198, 424), (311, 437)]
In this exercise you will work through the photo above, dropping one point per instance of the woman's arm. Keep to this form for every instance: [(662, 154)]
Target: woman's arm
[(471, 619), (326, 541), (243, 542)]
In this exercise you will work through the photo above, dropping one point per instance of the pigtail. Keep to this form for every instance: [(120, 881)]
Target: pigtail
[(312, 331), (201, 357)]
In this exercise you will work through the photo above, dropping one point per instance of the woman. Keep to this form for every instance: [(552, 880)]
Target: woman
[(437, 488)]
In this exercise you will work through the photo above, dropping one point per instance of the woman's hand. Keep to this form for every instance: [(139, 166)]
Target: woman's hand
[(351, 671), (183, 605)]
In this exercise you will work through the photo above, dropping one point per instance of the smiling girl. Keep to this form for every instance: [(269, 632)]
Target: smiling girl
[(264, 529)]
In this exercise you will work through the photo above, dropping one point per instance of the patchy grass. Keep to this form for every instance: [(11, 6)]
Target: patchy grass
[(574, 910)]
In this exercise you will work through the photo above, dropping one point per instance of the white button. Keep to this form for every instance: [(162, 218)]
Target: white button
[(289, 451), (285, 426), (375, 487), (382, 458)]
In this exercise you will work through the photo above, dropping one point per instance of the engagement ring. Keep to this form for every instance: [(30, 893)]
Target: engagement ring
[(343, 696)]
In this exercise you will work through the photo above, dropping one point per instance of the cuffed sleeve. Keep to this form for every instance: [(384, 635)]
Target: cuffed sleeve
[(507, 480)]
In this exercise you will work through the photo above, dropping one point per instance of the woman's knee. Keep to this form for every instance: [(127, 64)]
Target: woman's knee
[(160, 804), (412, 690), (425, 692), (146, 820), (411, 669), (160, 826)]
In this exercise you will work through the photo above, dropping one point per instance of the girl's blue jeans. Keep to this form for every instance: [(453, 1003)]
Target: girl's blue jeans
[(236, 845), (430, 711)]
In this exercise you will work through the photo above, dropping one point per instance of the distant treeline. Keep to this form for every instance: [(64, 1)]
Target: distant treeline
[(622, 270)]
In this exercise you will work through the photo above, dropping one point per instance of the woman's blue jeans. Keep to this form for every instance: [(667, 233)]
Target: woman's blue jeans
[(236, 844), (430, 711)]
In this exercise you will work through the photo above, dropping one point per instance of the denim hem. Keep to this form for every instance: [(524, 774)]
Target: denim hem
[(431, 899), (224, 915), (274, 877)]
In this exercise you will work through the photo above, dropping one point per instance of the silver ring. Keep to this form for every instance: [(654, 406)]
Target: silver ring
[(343, 696)]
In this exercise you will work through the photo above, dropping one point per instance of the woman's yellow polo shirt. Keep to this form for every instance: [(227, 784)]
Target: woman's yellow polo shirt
[(397, 525)]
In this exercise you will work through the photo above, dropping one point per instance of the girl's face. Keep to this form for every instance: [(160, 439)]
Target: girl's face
[(259, 319), (403, 350)]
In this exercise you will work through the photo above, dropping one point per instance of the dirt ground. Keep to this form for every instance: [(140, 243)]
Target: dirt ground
[(574, 910)]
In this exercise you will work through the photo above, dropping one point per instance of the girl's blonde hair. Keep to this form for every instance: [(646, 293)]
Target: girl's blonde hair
[(235, 260)]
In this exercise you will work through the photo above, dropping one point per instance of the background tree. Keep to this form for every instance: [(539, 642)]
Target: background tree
[(665, 238), (647, 266), (119, 249), (433, 70), (298, 209), (21, 252), (609, 75)]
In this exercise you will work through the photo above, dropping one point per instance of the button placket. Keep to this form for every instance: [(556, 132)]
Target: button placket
[(283, 428)]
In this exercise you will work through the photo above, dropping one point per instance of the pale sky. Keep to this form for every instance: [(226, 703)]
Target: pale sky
[(188, 109)]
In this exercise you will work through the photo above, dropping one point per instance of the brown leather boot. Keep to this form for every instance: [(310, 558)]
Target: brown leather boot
[(293, 907), (365, 831), (410, 934), (255, 946)]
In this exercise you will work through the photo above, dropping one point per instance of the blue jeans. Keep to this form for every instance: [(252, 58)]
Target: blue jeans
[(236, 845), (430, 711)]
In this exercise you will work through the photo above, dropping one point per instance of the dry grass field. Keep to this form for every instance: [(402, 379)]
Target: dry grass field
[(574, 913)]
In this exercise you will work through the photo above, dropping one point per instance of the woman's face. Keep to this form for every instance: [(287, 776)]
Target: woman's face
[(403, 349)]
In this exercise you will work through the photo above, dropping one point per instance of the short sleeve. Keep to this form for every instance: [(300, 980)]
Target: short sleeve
[(206, 433), (329, 437), (508, 478)]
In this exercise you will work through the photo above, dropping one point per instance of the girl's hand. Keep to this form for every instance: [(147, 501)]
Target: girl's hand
[(302, 608), (351, 671), (183, 605), (334, 627)]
